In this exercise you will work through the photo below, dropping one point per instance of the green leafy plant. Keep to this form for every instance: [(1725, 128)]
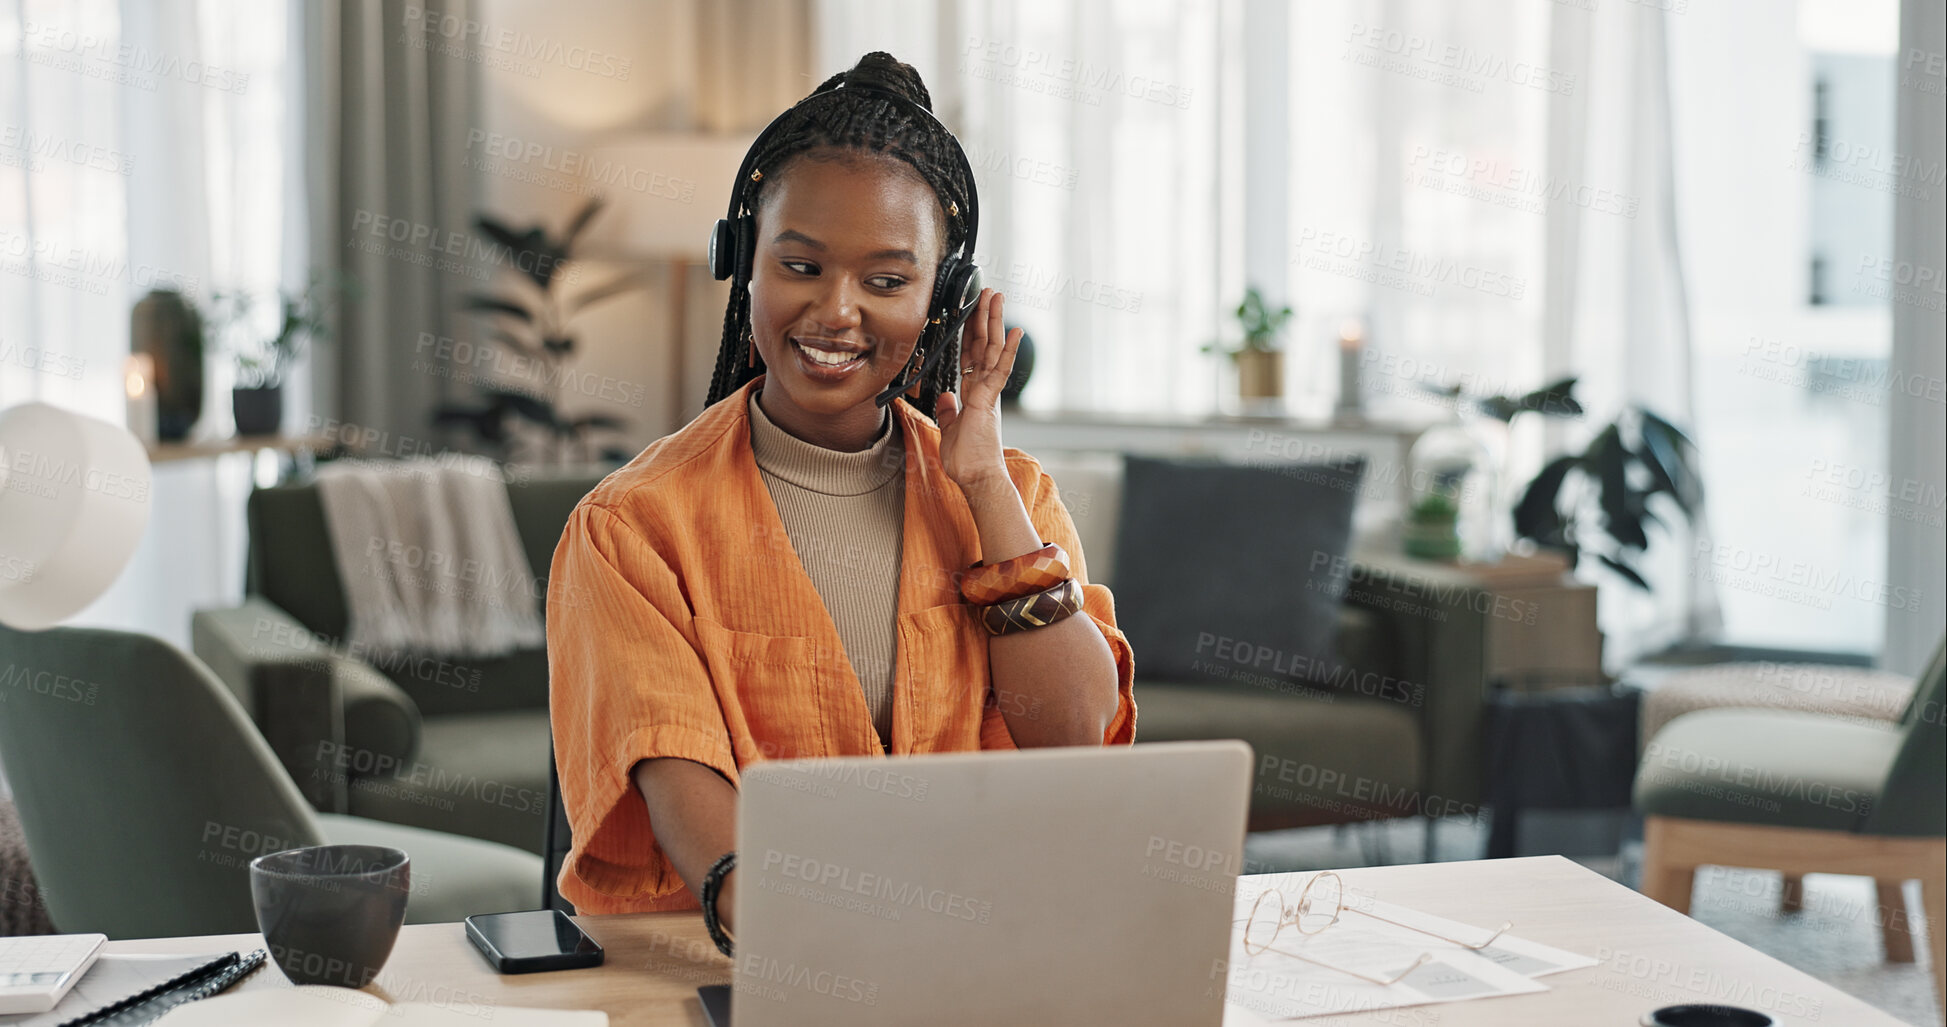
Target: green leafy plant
[(1556, 399), (1600, 500), (303, 317), (532, 321), (1260, 324), (1433, 518)]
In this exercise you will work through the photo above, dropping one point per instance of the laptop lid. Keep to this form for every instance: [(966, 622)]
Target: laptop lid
[(1047, 886)]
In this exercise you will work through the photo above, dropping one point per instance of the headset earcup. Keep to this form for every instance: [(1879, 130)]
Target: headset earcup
[(723, 250), (959, 292), (731, 246)]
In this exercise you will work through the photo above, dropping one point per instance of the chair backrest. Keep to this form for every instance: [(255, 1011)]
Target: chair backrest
[(560, 839), (1913, 801), (291, 561), (143, 789)]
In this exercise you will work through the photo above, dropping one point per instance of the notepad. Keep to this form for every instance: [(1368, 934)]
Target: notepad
[(314, 1006), (118, 982)]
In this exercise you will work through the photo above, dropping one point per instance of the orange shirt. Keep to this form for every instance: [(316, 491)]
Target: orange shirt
[(681, 623)]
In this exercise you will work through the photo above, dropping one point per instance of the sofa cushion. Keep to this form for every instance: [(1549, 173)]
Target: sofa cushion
[(1217, 560), (1090, 487), (1321, 758), (483, 775), (1774, 767)]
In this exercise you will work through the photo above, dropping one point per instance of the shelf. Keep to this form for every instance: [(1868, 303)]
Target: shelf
[(174, 452)]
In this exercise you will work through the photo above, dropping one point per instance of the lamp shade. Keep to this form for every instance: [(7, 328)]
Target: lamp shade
[(665, 191), (74, 498)]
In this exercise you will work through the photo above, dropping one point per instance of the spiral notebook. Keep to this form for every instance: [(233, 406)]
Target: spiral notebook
[(129, 991)]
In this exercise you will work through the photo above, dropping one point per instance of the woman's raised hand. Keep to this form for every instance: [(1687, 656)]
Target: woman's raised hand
[(970, 421)]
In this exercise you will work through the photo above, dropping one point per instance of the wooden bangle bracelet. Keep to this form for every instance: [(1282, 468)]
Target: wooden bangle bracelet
[(1024, 575), (1033, 611)]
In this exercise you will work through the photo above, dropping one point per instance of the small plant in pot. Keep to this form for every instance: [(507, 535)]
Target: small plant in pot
[(1259, 360), (1457, 509), (264, 358)]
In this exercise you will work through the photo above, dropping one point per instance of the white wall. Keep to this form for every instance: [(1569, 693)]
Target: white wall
[(571, 113), (1916, 556)]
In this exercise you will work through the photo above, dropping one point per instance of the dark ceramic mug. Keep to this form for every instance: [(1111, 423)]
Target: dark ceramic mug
[(1702, 1015), (330, 913)]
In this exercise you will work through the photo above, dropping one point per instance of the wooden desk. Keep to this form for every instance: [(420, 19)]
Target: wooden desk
[(1650, 956)]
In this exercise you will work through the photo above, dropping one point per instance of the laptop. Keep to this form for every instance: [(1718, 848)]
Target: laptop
[(1049, 886)]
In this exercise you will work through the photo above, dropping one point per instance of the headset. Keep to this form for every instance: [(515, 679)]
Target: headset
[(956, 286)]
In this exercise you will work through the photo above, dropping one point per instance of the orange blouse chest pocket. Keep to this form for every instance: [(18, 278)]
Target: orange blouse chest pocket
[(945, 684), (769, 687)]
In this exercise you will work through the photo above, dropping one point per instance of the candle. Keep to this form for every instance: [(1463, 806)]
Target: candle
[(1352, 340), (138, 377)]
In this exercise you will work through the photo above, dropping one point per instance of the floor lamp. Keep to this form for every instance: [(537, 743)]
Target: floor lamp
[(74, 499)]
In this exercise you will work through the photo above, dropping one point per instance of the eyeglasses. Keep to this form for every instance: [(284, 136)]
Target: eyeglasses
[(1318, 907)]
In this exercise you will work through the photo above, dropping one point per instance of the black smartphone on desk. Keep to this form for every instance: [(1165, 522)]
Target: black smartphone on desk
[(532, 941)]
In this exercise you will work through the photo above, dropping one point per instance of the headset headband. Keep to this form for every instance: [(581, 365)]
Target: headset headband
[(739, 188)]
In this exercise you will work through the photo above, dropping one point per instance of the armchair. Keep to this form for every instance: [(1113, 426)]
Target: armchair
[(1806, 793), (145, 793)]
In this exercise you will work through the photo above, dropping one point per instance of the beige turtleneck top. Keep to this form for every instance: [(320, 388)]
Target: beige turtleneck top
[(845, 516)]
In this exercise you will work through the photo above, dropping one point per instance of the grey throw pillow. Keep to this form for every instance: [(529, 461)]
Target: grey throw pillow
[(1233, 572)]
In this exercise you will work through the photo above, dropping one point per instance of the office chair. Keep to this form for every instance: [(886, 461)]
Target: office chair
[(560, 839)]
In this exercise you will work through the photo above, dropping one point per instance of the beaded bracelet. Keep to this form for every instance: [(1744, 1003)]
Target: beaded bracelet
[(1037, 610), (712, 887), (986, 584)]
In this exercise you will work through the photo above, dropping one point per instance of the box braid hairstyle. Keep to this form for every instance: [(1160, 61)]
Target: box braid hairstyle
[(855, 120)]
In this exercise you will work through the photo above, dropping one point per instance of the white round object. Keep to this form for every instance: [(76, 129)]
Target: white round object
[(74, 499)]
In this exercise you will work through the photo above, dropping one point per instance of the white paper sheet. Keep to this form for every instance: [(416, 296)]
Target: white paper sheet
[(1273, 986)]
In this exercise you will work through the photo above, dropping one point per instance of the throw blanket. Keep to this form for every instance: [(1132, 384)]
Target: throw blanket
[(21, 908), (429, 556)]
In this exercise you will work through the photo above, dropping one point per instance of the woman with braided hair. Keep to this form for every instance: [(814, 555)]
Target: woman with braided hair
[(833, 558)]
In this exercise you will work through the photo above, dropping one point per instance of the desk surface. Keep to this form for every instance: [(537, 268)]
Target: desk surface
[(1650, 956)]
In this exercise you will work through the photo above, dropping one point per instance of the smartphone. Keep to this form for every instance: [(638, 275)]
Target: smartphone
[(532, 941)]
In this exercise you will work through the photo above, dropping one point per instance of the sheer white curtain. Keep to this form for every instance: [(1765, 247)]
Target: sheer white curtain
[(65, 177), (1618, 308), (1095, 133), (1484, 184), (1487, 186), (1410, 150), (142, 146)]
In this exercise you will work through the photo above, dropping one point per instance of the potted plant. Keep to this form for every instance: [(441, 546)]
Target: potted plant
[(1457, 508), (532, 321), (1259, 360), (1602, 500), (257, 401)]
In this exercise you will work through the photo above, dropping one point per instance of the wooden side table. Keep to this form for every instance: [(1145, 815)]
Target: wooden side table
[(1465, 628)]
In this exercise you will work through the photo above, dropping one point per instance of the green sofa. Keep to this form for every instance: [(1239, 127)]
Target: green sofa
[(464, 748), (459, 745), (1404, 740)]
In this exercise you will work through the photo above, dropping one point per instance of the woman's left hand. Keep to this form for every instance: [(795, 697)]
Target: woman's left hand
[(970, 422)]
